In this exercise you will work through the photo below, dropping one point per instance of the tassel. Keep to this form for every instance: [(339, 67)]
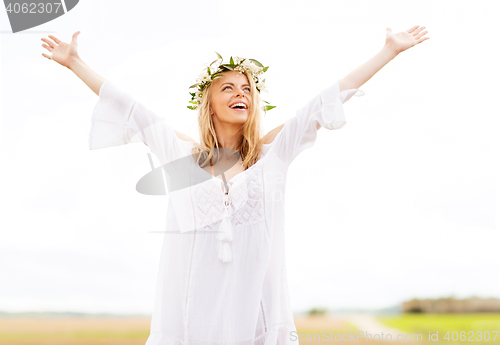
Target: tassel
[(225, 252), (225, 233)]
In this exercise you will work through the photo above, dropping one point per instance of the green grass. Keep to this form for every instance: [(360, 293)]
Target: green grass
[(470, 328)]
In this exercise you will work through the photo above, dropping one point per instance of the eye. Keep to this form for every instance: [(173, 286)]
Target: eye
[(247, 88)]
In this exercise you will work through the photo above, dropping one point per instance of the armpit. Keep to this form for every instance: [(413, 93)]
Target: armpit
[(184, 137), (269, 137)]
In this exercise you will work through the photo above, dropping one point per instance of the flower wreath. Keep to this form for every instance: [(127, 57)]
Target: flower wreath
[(253, 67)]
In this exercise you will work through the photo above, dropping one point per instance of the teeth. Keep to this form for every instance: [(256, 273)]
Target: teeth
[(240, 104)]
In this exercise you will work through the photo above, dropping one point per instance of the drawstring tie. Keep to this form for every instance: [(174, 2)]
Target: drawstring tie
[(225, 233)]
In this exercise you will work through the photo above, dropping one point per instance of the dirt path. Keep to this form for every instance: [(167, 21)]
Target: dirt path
[(323, 322), (372, 330), (369, 325)]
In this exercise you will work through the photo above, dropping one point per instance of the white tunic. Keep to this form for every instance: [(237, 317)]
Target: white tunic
[(201, 300)]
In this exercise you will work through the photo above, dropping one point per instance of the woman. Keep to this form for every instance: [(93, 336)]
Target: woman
[(224, 280)]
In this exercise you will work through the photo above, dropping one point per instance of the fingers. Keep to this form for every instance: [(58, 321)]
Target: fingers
[(48, 57), (55, 39), (75, 35), (423, 33), (50, 43), (47, 47), (417, 31), (410, 30)]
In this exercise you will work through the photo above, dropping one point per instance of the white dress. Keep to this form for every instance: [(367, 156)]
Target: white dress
[(200, 299)]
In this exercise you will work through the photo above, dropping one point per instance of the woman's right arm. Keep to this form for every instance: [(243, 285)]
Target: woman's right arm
[(117, 118), (66, 54)]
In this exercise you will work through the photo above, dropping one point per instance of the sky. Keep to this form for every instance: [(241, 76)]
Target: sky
[(400, 203)]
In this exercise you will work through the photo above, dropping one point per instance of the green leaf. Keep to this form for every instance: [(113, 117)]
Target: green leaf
[(266, 102), (191, 107), (231, 61), (269, 107), (220, 57), (208, 70), (217, 76), (257, 62), (265, 69), (192, 86), (194, 102), (228, 67), (192, 94)]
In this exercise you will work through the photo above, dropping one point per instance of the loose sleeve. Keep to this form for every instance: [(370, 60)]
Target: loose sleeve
[(118, 120), (299, 132)]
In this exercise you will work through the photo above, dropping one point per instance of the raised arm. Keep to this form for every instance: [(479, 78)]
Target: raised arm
[(67, 55), (394, 44)]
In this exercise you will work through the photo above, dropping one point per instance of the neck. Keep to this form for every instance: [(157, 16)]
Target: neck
[(229, 135)]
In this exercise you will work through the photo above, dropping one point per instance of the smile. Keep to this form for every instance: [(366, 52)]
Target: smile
[(239, 106)]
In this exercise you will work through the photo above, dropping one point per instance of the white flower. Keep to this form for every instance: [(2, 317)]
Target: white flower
[(251, 67), (204, 76), (199, 95), (237, 60), (215, 66), (247, 65), (261, 85)]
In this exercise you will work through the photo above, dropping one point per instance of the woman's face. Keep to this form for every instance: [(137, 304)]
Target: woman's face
[(228, 91)]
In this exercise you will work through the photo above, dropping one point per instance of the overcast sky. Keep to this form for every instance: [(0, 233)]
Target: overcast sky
[(400, 203)]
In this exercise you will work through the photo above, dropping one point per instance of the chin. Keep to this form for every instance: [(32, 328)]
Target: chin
[(238, 117)]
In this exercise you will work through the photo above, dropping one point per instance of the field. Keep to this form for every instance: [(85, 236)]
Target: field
[(313, 330), (117, 330), (77, 331), (477, 329)]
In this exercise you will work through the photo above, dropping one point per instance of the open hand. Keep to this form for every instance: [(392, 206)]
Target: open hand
[(62, 52), (405, 39)]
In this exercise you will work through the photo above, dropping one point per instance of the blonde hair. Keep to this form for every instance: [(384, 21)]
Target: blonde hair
[(249, 146)]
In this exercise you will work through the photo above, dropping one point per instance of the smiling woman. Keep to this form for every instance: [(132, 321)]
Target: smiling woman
[(222, 270), (222, 274), (229, 117), (224, 280)]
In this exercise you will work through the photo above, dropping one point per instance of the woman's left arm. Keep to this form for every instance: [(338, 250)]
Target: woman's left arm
[(394, 44)]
